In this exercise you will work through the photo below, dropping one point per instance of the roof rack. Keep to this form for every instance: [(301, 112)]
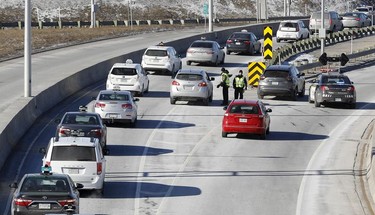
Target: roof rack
[(82, 108)]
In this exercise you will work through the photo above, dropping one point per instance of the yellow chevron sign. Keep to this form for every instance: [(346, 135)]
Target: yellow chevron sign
[(255, 71), (267, 46)]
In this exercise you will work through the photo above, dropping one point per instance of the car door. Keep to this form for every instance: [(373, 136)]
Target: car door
[(255, 41), (209, 83), (304, 31)]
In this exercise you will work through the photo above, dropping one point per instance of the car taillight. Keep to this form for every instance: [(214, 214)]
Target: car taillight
[(262, 77), (330, 21), (99, 105), (229, 41), (48, 163), (22, 202), (297, 28), (189, 51), (202, 84), (357, 19), (126, 106), (351, 89), (64, 132), (99, 168), (96, 132), (324, 88), (66, 202), (247, 42), (175, 83)]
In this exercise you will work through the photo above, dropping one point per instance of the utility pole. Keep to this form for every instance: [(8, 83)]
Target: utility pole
[(210, 27), (322, 31), (27, 50), (92, 14)]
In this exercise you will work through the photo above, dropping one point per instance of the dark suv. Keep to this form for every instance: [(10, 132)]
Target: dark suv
[(281, 80), (243, 42)]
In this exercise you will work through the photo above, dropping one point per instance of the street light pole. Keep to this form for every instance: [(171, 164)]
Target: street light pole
[(210, 27), (27, 50), (92, 14), (322, 31)]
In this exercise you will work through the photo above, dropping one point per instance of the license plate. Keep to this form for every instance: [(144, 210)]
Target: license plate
[(275, 83), (188, 88), (45, 206), (238, 43), (78, 133), (243, 120), (73, 171), (155, 61), (338, 99), (113, 115)]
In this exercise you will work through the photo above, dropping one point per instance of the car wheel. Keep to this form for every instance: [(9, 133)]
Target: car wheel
[(134, 123), (210, 99), (260, 96), (188, 63), (268, 130), (228, 52), (222, 60), (293, 96), (352, 105), (148, 85), (172, 100), (316, 103), (206, 101), (302, 93), (224, 134), (263, 136), (216, 63)]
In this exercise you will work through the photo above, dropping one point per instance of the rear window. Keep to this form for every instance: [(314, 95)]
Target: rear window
[(189, 77), (276, 73), (288, 25), (362, 9), (73, 153), (156, 53), (124, 71), (336, 80), (45, 184), (351, 14), (244, 109), (201, 45), (113, 96), (240, 36), (84, 119), (317, 15)]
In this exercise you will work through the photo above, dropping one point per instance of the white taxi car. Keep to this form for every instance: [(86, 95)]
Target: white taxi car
[(161, 58), (116, 106), (128, 76), (81, 158)]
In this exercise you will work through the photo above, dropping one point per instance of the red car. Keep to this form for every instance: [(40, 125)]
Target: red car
[(246, 117)]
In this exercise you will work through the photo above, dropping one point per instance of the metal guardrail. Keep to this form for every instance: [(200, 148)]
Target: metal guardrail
[(79, 24)]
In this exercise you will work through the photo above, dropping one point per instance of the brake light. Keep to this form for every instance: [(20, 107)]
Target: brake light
[(66, 202), (324, 88), (22, 202), (229, 41), (175, 83), (126, 106), (96, 132), (330, 21), (357, 19), (202, 84), (48, 163), (99, 105), (99, 168), (189, 51), (247, 42), (262, 77), (351, 89), (64, 132)]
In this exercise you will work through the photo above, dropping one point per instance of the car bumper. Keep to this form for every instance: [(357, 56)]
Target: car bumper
[(187, 96), (125, 116), (268, 91), (91, 182), (200, 58), (234, 48), (24, 211), (132, 88), (153, 67), (243, 130), (349, 99)]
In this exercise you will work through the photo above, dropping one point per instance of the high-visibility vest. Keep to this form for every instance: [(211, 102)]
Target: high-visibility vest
[(225, 78), (239, 82)]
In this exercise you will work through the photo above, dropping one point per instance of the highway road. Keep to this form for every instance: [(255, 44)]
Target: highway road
[(176, 162)]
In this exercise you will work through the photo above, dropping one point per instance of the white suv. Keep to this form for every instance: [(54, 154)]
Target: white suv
[(81, 158), (292, 30), (128, 76), (161, 58)]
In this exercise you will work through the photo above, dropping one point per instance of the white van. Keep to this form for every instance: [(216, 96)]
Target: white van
[(81, 158)]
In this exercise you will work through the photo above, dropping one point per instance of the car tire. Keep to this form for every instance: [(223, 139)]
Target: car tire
[(352, 105), (268, 130), (260, 96), (316, 103), (188, 63), (97, 193), (228, 52), (148, 86), (278, 40), (293, 95), (224, 134), (216, 63), (263, 136), (222, 60), (172, 100), (302, 93), (211, 98), (206, 101), (134, 123)]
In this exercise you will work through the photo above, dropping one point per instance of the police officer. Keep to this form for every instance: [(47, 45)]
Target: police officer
[(239, 85), (225, 84)]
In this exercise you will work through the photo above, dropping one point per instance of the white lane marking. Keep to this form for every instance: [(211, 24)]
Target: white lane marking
[(32, 144), (308, 171)]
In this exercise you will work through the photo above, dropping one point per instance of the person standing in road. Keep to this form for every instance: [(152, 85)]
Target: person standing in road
[(225, 84), (239, 85)]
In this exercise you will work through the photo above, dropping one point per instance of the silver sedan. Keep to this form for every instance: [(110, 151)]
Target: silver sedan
[(192, 85), (355, 20), (205, 51)]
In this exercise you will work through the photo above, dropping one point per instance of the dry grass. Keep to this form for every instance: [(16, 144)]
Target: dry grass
[(12, 40)]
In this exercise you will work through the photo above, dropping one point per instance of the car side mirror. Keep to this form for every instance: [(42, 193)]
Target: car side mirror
[(269, 110), (93, 98), (79, 185), (106, 151), (42, 150), (225, 107), (13, 185), (57, 121), (221, 47), (302, 74), (212, 78), (352, 82), (136, 99)]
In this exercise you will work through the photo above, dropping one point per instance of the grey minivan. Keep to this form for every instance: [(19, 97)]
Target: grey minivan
[(332, 22), (281, 80)]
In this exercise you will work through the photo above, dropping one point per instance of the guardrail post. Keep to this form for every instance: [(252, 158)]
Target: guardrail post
[(20, 25), (182, 22), (60, 24), (79, 24), (97, 23), (171, 21), (115, 23), (149, 22), (126, 22), (40, 24), (160, 22)]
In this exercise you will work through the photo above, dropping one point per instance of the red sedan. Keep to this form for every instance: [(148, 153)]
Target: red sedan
[(246, 117)]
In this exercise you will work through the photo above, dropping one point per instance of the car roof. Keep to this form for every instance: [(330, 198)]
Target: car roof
[(38, 175), (125, 65), (244, 101), (76, 141), (205, 41), (292, 21), (116, 91), (191, 71), (82, 112), (159, 47), (279, 67)]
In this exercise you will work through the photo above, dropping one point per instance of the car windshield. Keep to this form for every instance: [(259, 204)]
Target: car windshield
[(124, 71), (189, 77), (113, 97), (276, 73), (45, 184), (73, 153), (336, 80), (244, 109), (157, 53), (201, 45), (85, 119)]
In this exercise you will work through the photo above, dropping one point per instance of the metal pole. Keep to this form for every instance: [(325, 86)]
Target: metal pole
[(131, 14), (92, 14), (322, 40), (210, 27), (27, 49)]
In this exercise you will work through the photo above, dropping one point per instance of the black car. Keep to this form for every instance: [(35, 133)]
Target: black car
[(243, 42), (41, 193), (82, 124), (331, 88)]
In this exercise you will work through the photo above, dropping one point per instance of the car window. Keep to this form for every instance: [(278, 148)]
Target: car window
[(276, 73), (87, 119), (73, 153), (335, 80), (45, 184), (201, 45), (244, 109), (113, 96), (156, 52), (240, 36), (288, 25), (189, 77), (124, 71)]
